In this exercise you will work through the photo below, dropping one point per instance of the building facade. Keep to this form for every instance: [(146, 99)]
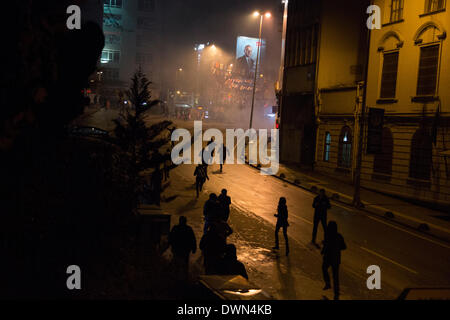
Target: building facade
[(132, 31), (406, 129)]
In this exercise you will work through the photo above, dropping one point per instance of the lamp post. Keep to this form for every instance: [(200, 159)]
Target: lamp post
[(261, 16)]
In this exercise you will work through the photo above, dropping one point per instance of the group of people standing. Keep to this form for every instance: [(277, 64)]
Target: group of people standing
[(333, 242), (219, 257)]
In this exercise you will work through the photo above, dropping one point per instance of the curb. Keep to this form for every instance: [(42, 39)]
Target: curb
[(420, 226)]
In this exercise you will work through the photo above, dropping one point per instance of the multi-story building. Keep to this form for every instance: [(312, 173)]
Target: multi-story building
[(409, 81), (297, 102), (132, 31), (406, 129)]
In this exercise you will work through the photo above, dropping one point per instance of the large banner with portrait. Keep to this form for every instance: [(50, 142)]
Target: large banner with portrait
[(246, 56)]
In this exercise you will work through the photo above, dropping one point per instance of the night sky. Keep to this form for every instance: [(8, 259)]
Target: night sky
[(199, 21)]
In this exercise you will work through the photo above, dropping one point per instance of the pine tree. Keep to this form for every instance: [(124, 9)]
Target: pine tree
[(139, 142)]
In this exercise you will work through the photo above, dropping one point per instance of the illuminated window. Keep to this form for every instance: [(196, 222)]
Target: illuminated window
[(345, 148), (112, 3), (428, 68), (327, 147), (389, 75), (112, 21), (110, 56), (434, 5), (396, 10)]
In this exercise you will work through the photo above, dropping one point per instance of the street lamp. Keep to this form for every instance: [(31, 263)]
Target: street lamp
[(261, 17)]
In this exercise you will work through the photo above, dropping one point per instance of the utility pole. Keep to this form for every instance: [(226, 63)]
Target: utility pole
[(362, 120), (256, 70)]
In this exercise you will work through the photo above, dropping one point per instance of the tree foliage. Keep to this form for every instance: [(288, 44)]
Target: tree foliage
[(140, 142)]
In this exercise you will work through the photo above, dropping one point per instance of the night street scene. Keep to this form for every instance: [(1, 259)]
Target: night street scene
[(225, 152)]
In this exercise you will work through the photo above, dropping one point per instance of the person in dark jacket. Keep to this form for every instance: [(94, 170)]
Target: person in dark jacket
[(201, 175), (321, 204), (211, 211), (223, 153), (213, 248), (333, 245), (182, 241), (230, 264), (282, 222), (225, 202)]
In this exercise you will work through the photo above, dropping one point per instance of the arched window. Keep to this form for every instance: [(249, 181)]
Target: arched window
[(421, 155), (345, 148), (382, 162), (327, 146)]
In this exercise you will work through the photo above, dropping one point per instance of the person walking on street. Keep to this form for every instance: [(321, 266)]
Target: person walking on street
[(182, 241), (225, 202), (321, 204), (210, 211), (282, 222), (223, 153), (201, 175), (333, 245)]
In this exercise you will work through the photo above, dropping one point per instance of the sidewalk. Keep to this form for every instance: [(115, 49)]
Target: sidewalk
[(431, 222)]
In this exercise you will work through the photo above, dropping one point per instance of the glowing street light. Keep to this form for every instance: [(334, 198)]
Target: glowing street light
[(256, 14)]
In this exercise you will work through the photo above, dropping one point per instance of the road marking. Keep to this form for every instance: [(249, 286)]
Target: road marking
[(414, 234), (391, 261)]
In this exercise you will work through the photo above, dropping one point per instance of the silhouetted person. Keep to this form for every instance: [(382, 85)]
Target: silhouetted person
[(156, 185), (213, 247), (333, 245), (223, 229), (230, 264), (211, 211), (321, 204), (167, 164), (223, 153), (225, 202), (282, 222), (182, 241), (201, 175)]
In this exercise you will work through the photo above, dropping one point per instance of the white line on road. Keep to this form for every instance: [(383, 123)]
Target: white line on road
[(391, 261)]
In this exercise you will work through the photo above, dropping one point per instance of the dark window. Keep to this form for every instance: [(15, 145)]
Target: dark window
[(327, 146), (396, 10), (421, 154), (428, 67), (111, 73), (147, 5), (389, 75), (345, 148), (145, 23), (434, 5), (382, 162)]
